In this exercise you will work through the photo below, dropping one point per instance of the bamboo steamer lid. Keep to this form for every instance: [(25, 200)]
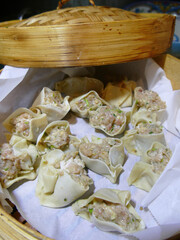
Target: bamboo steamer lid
[(84, 36)]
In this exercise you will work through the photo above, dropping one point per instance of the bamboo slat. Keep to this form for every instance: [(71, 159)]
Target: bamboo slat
[(84, 36)]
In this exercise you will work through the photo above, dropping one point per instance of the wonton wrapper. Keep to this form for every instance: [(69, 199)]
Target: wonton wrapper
[(116, 160), (29, 163), (142, 115), (76, 86), (54, 188), (110, 195), (73, 143), (36, 126), (53, 111), (142, 175), (85, 113), (119, 94), (139, 143)]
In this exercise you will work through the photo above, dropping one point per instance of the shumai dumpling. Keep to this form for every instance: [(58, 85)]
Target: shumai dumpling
[(18, 160), (83, 104), (76, 86), (52, 104), (61, 179), (110, 210), (139, 140), (112, 121), (57, 135), (150, 101), (104, 156), (25, 123), (146, 172)]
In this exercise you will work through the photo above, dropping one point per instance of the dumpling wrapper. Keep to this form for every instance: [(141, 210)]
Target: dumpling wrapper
[(112, 121), (90, 102), (138, 144), (29, 160), (64, 140), (119, 94), (143, 175), (55, 187), (76, 86), (113, 196), (55, 107), (35, 125), (116, 159)]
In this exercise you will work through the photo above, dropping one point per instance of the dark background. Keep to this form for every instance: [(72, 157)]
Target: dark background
[(11, 10)]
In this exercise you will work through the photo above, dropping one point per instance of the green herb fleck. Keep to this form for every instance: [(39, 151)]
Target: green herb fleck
[(162, 160), (6, 169), (26, 122), (154, 149), (65, 199), (150, 132), (119, 111), (86, 101), (90, 210)]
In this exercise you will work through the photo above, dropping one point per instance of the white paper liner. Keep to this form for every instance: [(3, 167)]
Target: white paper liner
[(62, 223)]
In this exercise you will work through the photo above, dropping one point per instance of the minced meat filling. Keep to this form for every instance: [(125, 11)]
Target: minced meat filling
[(110, 120), (159, 158), (9, 164), (113, 212), (56, 137), (148, 128), (90, 102), (98, 151), (21, 124), (148, 99), (74, 166), (53, 98)]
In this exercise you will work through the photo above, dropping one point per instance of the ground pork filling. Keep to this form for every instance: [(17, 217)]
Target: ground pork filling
[(90, 102), (98, 151), (9, 164), (110, 120), (148, 99), (56, 137), (74, 166), (21, 124), (113, 212), (148, 128), (53, 98), (159, 158)]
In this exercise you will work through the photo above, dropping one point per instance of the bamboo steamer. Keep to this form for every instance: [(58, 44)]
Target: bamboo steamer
[(84, 36)]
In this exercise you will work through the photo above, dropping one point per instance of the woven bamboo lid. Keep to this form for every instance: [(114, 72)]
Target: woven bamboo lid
[(84, 36)]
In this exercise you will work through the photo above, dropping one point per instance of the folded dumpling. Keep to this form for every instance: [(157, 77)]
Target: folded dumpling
[(76, 86), (110, 210), (104, 156), (83, 104), (25, 123), (146, 172), (147, 100), (18, 160), (119, 94), (139, 140), (61, 179), (52, 104), (57, 135), (110, 120)]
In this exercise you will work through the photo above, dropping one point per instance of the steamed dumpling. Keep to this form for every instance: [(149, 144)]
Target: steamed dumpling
[(62, 179), (110, 210), (104, 156), (18, 160), (146, 172), (52, 104), (139, 139), (25, 123), (112, 121)]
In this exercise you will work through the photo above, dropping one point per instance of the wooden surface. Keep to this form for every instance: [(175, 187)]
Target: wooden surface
[(12, 229), (93, 37)]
